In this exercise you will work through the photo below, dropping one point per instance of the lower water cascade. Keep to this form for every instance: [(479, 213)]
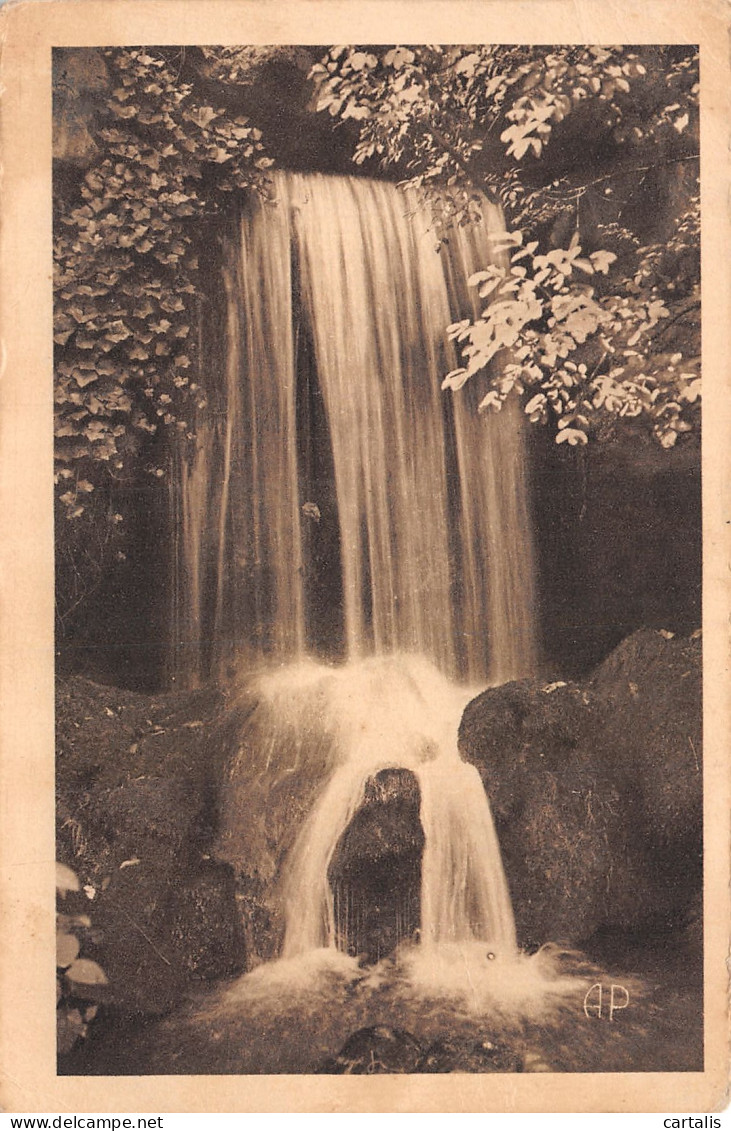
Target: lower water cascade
[(354, 550), (402, 712), (324, 740)]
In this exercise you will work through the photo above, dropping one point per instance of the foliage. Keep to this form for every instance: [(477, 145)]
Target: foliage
[(245, 65), (438, 112), (127, 268), (564, 137), (80, 982), (567, 142), (586, 353)]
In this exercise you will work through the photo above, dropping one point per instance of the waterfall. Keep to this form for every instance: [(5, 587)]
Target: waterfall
[(359, 534), (351, 507)]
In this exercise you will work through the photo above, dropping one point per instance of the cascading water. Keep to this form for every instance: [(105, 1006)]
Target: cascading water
[(340, 504), (399, 712), (337, 304)]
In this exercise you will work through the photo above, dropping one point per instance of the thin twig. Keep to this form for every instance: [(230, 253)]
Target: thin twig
[(146, 937)]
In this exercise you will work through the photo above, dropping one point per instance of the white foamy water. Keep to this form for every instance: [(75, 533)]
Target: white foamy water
[(367, 716), (337, 303), (358, 719), (465, 982)]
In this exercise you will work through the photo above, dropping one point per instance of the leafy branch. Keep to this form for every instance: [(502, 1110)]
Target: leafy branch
[(581, 355), (586, 339)]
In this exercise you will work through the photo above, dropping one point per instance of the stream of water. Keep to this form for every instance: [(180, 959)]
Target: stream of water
[(362, 541)]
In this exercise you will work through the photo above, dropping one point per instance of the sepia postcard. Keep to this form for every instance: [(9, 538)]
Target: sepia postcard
[(364, 647)]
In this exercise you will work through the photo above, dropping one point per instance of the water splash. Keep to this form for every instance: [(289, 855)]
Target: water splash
[(532, 1001), (341, 726)]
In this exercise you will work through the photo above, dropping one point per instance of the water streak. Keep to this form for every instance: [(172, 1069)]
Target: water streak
[(374, 714), (330, 446), (421, 518)]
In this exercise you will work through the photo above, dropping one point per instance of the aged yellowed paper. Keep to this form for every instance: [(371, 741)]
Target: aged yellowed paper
[(336, 236)]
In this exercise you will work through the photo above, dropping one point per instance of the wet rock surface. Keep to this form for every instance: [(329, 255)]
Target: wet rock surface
[(596, 790), (136, 800), (375, 873), (374, 1050), (382, 1049)]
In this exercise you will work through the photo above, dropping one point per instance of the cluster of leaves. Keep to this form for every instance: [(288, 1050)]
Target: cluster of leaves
[(80, 982), (127, 266), (581, 353), (243, 65), (418, 109), (438, 112), (566, 137)]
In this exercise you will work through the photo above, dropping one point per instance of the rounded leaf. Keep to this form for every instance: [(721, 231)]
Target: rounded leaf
[(67, 948), (86, 973), (66, 880)]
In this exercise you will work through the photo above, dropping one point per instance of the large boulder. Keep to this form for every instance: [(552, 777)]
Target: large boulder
[(136, 809), (375, 872), (269, 781), (596, 791)]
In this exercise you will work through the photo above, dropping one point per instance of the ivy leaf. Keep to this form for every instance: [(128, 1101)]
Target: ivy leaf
[(87, 377), (67, 948), (117, 331), (66, 879), (573, 436), (398, 57), (467, 64)]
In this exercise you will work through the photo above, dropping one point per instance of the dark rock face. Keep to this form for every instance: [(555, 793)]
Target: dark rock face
[(596, 791), (382, 1049), (375, 1050), (455, 1055), (618, 539), (136, 784), (205, 923), (375, 873)]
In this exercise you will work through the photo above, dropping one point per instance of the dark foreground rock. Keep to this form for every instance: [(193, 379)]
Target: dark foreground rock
[(374, 1050), (136, 807), (596, 791), (383, 1049)]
